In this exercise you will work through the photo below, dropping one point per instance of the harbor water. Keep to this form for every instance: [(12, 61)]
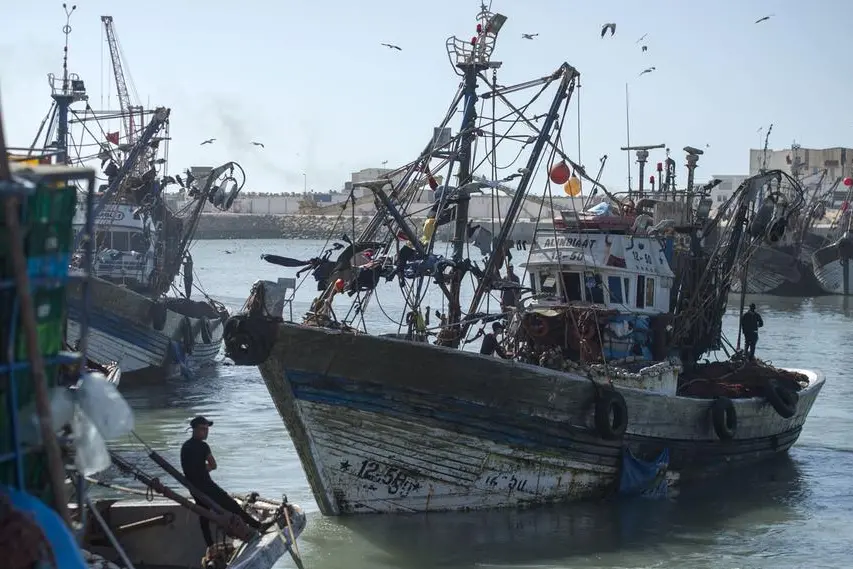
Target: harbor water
[(795, 512)]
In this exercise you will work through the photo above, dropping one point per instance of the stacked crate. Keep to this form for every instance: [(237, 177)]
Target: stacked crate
[(45, 214)]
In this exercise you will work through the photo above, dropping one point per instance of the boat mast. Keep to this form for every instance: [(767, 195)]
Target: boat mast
[(471, 58), (65, 91)]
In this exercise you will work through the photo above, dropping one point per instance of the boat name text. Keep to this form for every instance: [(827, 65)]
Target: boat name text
[(574, 242), (508, 482)]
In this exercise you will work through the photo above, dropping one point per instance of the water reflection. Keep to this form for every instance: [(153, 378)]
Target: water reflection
[(578, 533)]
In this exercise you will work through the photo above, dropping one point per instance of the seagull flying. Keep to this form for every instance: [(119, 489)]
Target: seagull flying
[(208, 141), (392, 46), (642, 38), (529, 36), (765, 18), (645, 48), (611, 27), (261, 144), (644, 71)]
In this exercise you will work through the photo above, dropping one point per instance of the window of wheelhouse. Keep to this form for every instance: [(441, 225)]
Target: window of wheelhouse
[(614, 290), (572, 286), (547, 283), (594, 288), (120, 241), (645, 292)]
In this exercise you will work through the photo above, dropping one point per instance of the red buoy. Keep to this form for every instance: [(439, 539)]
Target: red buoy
[(339, 285), (560, 173), (848, 182)]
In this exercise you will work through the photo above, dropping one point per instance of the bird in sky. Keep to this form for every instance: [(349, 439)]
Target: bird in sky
[(642, 38), (529, 36), (384, 162), (764, 19), (645, 48), (611, 27), (261, 144), (647, 70), (392, 46), (208, 141)]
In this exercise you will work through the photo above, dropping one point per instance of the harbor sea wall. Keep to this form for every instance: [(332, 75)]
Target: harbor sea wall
[(298, 226)]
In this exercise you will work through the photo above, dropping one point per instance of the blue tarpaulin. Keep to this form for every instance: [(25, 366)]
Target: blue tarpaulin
[(642, 478)]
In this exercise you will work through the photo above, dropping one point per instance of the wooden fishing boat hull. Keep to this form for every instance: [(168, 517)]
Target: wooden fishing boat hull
[(778, 272), (833, 268), (145, 338), (163, 534), (384, 425)]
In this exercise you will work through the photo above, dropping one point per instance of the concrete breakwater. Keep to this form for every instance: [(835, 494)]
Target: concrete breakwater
[(250, 226)]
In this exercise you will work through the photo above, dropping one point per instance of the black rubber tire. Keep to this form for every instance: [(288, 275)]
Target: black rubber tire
[(158, 316), (611, 414), (783, 400), (724, 418), (187, 335)]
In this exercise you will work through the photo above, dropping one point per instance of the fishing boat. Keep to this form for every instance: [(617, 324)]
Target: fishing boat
[(600, 386), (831, 262), (140, 319), (783, 266)]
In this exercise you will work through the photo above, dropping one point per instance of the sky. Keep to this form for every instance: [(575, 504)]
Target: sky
[(311, 81)]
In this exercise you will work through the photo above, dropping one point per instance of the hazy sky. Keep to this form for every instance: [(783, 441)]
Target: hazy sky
[(310, 80)]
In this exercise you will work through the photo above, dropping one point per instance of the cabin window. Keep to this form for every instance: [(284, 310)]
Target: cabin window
[(641, 291), (627, 291), (594, 288), (137, 242), (572, 286), (120, 241), (614, 288), (547, 283), (650, 292)]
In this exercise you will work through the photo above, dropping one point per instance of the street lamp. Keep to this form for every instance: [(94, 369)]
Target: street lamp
[(305, 183)]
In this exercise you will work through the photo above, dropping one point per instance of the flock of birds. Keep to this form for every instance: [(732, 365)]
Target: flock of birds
[(212, 140), (611, 27)]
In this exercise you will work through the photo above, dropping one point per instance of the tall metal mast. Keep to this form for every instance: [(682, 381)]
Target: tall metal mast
[(65, 91), (469, 59)]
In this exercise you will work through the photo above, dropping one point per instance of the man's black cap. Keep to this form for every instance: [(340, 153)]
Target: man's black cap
[(200, 421)]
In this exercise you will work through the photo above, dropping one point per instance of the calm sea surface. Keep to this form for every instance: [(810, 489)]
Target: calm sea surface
[(795, 513)]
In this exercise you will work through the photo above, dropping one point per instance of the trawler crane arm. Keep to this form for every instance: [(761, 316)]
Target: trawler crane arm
[(121, 83)]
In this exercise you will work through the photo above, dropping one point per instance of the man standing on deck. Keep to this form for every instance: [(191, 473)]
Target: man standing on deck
[(509, 296), (197, 461), (750, 323)]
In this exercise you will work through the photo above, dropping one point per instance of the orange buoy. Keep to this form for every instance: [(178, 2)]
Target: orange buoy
[(572, 188), (560, 172)]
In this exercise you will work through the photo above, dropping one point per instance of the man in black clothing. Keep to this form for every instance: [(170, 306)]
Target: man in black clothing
[(197, 461), (509, 296), (490, 345), (750, 322)]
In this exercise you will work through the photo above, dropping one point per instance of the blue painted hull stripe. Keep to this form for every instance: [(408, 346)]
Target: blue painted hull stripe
[(510, 428), (121, 328), (467, 418)]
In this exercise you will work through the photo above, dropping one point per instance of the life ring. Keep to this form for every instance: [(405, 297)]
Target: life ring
[(157, 313), (206, 333), (187, 335), (537, 326), (611, 414), (783, 400), (724, 417)]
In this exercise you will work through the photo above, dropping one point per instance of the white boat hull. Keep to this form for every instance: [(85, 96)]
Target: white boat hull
[(833, 267)]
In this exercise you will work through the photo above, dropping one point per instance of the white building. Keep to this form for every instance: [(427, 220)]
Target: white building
[(838, 161), (724, 191)]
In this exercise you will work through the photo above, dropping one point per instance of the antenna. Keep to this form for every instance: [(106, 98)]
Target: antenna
[(642, 156), (628, 137)]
